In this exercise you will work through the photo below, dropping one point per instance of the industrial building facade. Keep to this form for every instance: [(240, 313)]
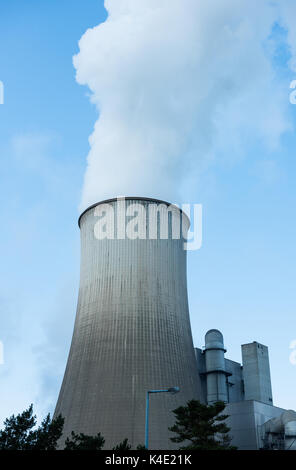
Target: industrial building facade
[(132, 334), (246, 389)]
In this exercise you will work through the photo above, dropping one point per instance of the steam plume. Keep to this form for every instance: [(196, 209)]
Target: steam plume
[(179, 83)]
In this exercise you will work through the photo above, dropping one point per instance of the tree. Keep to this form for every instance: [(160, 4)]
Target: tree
[(202, 426), (48, 434), (84, 442), (19, 432), (123, 446), (141, 447)]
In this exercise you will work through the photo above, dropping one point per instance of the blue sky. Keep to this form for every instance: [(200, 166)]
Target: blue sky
[(242, 280)]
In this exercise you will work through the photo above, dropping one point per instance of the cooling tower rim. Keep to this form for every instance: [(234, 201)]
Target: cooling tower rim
[(133, 198)]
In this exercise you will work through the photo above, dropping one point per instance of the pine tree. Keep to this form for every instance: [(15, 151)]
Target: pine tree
[(123, 446), (19, 432), (84, 442), (203, 426)]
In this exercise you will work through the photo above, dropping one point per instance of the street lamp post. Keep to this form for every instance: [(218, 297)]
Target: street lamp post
[(173, 391)]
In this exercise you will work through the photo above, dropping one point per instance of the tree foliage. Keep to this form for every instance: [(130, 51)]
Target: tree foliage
[(20, 432), (84, 442), (202, 426), (141, 447), (123, 446)]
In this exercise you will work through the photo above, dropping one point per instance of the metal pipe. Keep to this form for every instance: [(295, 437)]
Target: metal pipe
[(171, 390)]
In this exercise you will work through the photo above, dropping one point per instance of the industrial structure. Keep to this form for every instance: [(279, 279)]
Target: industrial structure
[(132, 335), (246, 389), (132, 330)]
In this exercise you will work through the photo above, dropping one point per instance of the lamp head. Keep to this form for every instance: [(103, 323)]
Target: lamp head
[(173, 390)]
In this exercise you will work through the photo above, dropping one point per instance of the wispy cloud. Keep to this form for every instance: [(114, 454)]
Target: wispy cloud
[(37, 294)]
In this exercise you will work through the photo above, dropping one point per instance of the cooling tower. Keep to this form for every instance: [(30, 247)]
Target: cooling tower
[(132, 330)]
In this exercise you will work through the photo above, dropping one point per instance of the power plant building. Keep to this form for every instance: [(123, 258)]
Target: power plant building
[(132, 334), (253, 420)]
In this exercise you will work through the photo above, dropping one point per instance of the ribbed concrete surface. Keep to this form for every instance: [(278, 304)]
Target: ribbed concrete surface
[(132, 333)]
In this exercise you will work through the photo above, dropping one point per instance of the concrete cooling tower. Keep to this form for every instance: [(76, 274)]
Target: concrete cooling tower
[(132, 330)]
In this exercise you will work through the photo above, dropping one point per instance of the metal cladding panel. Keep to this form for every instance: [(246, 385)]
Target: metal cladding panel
[(235, 381), (245, 421), (201, 369), (132, 334)]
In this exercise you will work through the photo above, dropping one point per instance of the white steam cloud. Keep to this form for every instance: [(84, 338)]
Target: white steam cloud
[(179, 83)]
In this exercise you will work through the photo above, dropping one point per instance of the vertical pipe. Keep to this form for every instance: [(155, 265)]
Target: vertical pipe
[(147, 421), (217, 389)]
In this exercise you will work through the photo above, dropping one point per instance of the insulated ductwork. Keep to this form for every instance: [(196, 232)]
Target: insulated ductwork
[(280, 432), (215, 367)]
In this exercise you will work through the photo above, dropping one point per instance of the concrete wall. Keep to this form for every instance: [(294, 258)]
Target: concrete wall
[(256, 372), (132, 333)]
